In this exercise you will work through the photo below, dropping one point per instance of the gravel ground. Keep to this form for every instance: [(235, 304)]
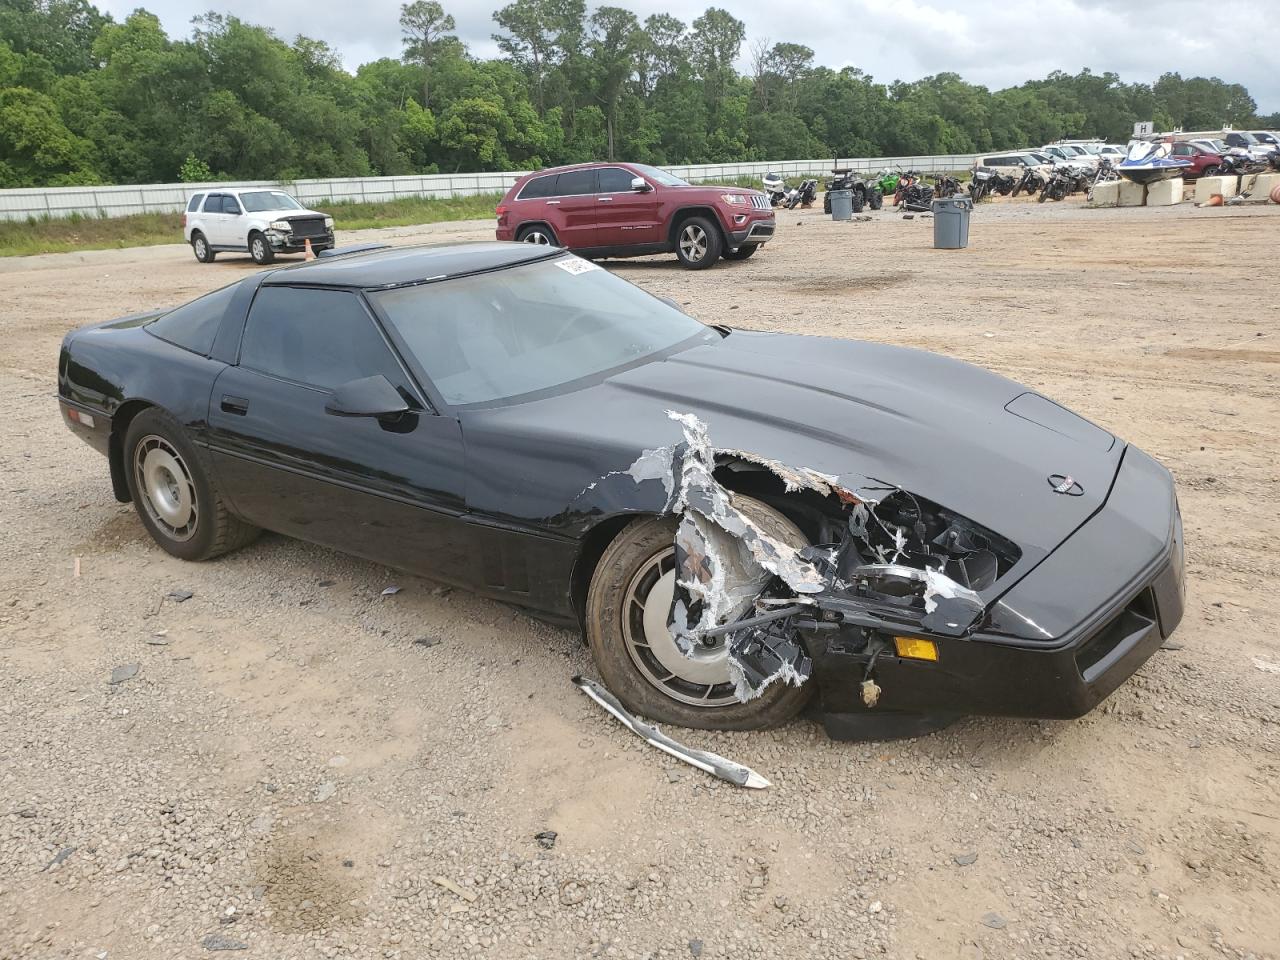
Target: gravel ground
[(291, 764)]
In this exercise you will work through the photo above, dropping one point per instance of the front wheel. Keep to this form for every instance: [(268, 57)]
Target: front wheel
[(698, 243), (628, 606), (174, 494), (260, 249), (742, 253), (1209, 171), (875, 199)]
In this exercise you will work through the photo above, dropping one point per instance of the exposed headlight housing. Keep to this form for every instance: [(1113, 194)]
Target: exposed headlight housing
[(735, 199), (328, 223), (281, 225)]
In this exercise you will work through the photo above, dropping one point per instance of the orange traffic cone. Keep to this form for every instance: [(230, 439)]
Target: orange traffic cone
[(306, 250)]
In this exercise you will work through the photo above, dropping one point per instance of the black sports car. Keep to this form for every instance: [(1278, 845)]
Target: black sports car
[(736, 520)]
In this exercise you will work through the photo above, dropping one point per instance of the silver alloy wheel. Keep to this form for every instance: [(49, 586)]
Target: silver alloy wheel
[(693, 242), (538, 237), (202, 247), (259, 249), (700, 679), (166, 486)]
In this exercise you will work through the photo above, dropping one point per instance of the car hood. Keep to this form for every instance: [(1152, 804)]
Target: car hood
[(970, 440)]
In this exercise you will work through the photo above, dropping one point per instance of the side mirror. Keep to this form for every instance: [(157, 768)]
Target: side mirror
[(367, 397), (640, 185)]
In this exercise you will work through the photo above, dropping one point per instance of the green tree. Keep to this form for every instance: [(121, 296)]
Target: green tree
[(425, 25)]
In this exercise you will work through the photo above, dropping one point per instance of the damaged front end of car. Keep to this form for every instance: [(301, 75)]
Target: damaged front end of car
[(890, 570)]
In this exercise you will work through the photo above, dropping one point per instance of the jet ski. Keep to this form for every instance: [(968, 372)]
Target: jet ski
[(1151, 162)]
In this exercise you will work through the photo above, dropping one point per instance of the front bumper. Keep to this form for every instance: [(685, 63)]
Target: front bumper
[(288, 243), (1055, 644), (750, 230)]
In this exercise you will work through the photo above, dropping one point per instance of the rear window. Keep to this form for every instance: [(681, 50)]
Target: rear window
[(213, 203), (194, 325), (539, 187), (194, 204)]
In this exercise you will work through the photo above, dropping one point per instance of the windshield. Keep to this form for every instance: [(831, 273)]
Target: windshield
[(660, 177), (261, 200), (533, 327)]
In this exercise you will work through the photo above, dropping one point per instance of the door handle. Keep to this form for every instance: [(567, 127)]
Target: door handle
[(553, 203), (605, 199), (237, 405)]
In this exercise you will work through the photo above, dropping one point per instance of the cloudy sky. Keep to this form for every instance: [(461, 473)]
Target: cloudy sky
[(993, 42)]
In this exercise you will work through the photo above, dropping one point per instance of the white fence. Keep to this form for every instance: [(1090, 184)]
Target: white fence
[(171, 197)]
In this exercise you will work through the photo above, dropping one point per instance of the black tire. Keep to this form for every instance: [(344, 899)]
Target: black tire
[(826, 203), (260, 249), (698, 243), (155, 445), (538, 233), (859, 201), (1209, 171), (200, 247), (875, 199), (635, 550), (742, 253)]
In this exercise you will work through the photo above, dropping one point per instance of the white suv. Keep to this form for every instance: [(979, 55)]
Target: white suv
[(264, 222)]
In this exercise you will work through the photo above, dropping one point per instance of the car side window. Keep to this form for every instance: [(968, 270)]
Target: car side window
[(229, 205), (575, 183), (194, 326), (321, 338), (213, 203), (194, 203), (539, 187), (615, 180)]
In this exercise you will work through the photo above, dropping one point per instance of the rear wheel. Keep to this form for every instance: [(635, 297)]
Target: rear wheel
[(742, 253), (174, 494), (538, 234), (859, 200), (628, 606), (875, 199), (200, 246), (260, 249), (1209, 171), (698, 243)]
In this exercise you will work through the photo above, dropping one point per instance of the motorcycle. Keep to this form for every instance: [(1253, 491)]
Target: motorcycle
[(775, 187), (913, 193), (866, 193), (803, 195), (1030, 183), (1104, 173), (946, 186), (980, 185), (1233, 164), (887, 182), (1059, 184)]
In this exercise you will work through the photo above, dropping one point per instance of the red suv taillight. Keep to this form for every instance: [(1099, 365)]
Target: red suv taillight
[(501, 211)]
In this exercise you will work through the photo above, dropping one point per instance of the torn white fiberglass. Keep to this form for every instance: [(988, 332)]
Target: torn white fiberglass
[(893, 560)]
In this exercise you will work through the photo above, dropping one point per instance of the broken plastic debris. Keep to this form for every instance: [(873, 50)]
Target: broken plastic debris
[(180, 595), (390, 591), (713, 764)]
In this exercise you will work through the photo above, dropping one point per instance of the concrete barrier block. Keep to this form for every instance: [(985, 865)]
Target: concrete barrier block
[(1206, 187), (1106, 194), (1131, 194), (1164, 193), (1259, 185)]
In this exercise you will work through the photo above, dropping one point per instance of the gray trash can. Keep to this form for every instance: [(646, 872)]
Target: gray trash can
[(951, 222), (841, 204)]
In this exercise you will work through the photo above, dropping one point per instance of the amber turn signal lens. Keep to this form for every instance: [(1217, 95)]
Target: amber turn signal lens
[(915, 648)]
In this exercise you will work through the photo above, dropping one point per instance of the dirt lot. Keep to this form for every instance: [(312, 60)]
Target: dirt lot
[(296, 761)]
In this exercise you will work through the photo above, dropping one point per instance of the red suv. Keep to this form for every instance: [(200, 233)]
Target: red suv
[(631, 210), (1204, 162)]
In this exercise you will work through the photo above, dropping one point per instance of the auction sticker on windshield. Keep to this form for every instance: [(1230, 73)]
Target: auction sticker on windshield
[(576, 265)]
